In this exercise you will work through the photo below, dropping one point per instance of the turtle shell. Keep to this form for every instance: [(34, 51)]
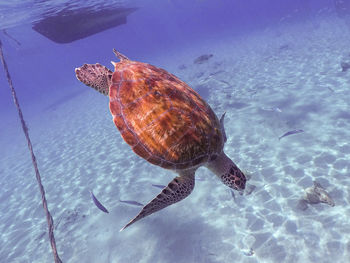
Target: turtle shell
[(162, 118)]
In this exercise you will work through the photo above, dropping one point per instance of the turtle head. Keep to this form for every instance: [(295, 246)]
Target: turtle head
[(227, 171), (95, 76), (234, 178)]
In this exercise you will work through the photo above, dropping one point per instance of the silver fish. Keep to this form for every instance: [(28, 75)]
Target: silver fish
[(131, 202), (290, 133), (159, 186), (275, 109), (97, 203)]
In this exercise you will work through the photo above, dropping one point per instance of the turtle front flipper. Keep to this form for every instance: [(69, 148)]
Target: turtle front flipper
[(95, 76), (179, 188)]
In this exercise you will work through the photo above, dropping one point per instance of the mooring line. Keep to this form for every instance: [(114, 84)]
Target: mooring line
[(38, 177)]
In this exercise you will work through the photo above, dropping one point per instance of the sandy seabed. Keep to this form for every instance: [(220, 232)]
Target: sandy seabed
[(292, 67)]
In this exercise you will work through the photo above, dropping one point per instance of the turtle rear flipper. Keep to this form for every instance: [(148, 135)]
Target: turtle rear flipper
[(95, 76), (179, 188)]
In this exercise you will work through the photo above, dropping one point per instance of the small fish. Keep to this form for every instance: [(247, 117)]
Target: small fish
[(233, 195), (97, 203), (275, 109), (159, 186), (202, 59), (330, 89), (131, 202), (290, 133)]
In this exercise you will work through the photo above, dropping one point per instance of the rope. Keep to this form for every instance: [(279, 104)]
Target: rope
[(38, 178)]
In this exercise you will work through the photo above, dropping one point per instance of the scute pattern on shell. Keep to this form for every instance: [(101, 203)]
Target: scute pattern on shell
[(161, 117)]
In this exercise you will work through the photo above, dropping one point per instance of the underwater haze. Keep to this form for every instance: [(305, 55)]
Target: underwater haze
[(278, 69)]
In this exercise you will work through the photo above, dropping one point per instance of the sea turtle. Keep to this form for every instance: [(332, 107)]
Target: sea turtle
[(165, 122)]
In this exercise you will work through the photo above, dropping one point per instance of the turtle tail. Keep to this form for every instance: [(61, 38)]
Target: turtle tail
[(120, 55), (96, 76)]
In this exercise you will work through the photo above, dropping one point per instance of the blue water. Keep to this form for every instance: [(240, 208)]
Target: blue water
[(276, 67), (159, 26)]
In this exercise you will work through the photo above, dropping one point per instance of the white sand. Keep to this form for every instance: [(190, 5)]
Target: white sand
[(293, 67)]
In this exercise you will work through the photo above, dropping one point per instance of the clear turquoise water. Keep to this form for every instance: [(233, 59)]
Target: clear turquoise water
[(267, 55)]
